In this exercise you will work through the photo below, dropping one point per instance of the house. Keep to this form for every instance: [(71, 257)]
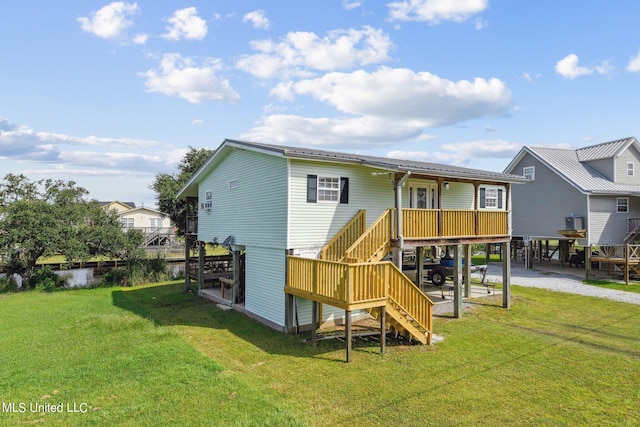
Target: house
[(590, 196), (316, 227), (153, 224)]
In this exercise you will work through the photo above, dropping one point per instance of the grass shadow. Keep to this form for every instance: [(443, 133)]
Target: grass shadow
[(171, 305)]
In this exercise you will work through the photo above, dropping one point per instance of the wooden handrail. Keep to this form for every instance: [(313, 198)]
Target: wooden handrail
[(335, 249), (410, 298), (375, 242), (358, 285)]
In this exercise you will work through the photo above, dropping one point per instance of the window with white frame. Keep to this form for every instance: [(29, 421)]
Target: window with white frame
[(490, 198), (127, 222), (328, 189), (529, 172), (622, 204), (630, 168)]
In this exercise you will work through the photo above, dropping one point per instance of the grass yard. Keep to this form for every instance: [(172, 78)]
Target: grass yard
[(156, 355)]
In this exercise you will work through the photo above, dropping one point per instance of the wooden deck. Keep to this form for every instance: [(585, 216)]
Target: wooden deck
[(624, 257)]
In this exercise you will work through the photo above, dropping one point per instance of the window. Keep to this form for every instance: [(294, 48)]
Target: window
[(622, 204), (490, 198), (529, 172), (630, 167), (127, 222), (327, 189), (208, 195), (421, 198)]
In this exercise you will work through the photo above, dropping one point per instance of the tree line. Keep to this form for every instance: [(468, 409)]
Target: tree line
[(54, 217)]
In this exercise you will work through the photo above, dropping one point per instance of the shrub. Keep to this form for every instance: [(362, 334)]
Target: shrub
[(8, 284), (44, 279)]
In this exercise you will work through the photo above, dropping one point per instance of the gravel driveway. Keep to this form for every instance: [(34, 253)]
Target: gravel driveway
[(558, 282)]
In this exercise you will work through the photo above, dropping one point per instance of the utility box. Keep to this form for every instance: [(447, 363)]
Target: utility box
[(574, 223)]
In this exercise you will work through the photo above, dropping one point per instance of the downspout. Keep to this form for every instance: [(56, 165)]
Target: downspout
[(397, 253)]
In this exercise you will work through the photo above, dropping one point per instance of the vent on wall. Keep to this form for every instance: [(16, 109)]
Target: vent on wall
[(234, 184)]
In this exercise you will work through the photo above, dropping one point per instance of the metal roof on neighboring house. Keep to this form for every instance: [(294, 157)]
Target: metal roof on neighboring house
[(606, 150), (571, 165)]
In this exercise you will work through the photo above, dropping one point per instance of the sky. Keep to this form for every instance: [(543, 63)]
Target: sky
[(109, 94)]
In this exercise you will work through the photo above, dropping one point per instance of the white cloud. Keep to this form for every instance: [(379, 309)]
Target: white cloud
[(141, 38), (341, 132), (300, 54), (20, 143), (178, 76), (351, 4), (402, 94), (186, 24), (435, 11), (568, 67), (464, 153), (258, 19), (195, 122), (110, 21), (634, 63)]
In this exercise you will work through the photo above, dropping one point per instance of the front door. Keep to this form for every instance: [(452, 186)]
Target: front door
[(423, 196)]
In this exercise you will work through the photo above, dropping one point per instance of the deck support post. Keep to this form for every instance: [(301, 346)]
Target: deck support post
[(506, 276), (467, 270), (457, 281), (383, 329), (201, 259), (187, 263), (314, 322), (397, 250), (236, 275), (347, 332), (288, 313), (587, 262), (420, 266)]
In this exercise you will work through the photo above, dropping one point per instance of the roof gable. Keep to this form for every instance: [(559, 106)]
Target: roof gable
[(606, 150), (573, 166)]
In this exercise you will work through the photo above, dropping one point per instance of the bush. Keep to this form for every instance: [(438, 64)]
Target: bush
[(115, 277), (44, 279), (8, 284)]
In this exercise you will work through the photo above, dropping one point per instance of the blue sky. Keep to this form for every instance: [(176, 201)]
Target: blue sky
[(108, 94)]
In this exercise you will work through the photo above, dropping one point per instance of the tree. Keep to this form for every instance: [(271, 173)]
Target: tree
[(168, 185), (47, 217)]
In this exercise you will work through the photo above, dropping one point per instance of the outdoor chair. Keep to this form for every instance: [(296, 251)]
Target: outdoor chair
[(577, 259)]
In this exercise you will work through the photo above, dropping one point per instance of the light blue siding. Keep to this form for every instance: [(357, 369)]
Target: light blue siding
[(255, 211), (312, 225), (265, 280)]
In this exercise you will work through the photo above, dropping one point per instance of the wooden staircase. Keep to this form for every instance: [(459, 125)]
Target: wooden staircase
[(408, 310), (633, 235)]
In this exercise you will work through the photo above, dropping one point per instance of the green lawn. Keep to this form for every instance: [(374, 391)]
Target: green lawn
[(156, 355)]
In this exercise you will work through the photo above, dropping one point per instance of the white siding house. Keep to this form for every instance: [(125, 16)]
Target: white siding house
[(272, 202)]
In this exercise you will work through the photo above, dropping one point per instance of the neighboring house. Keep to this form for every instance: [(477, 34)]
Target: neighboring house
[(155, 225), (590, 195), (315, 227)]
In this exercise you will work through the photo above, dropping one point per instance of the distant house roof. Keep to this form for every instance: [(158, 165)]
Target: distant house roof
[(383, 163), (573, 166), (132, 205)]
